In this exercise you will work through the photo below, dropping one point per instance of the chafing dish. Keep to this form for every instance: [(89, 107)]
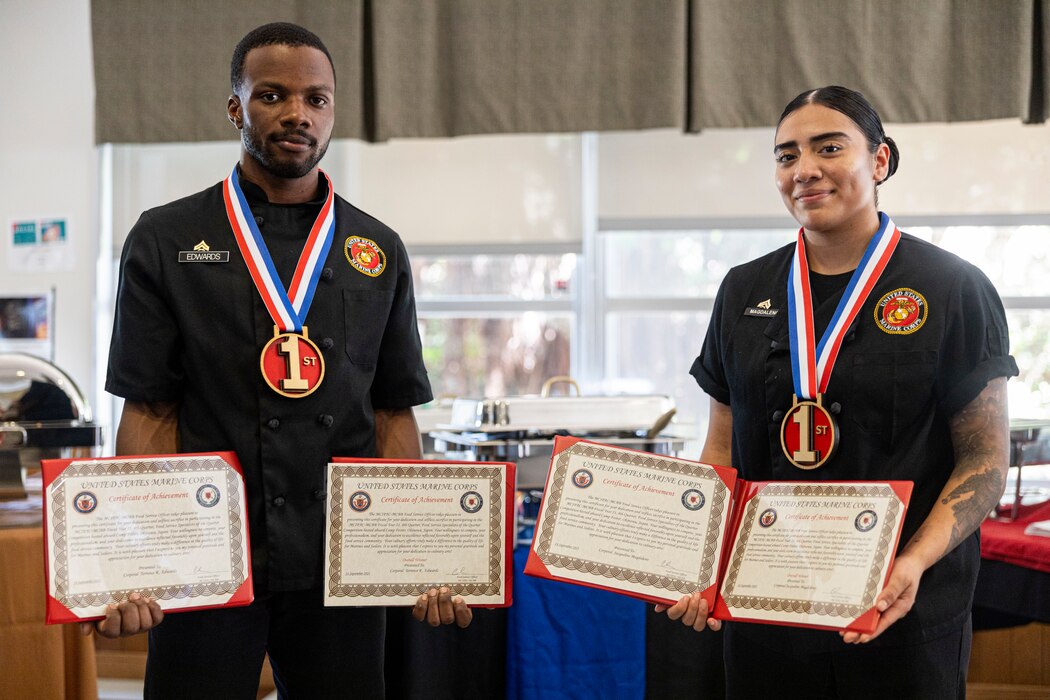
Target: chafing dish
[(521, 429), (43, 415)]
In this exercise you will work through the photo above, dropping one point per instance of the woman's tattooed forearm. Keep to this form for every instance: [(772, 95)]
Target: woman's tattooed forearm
[(971, 501), (980, 435)]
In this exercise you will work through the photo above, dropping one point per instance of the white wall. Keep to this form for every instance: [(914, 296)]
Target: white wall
[(973, 168), (477, 190), (527, 188), (48, 162)]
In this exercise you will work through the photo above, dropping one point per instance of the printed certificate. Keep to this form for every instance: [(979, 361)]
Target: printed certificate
[(397, 529), (171, 527), (814, 554), (647, 525)]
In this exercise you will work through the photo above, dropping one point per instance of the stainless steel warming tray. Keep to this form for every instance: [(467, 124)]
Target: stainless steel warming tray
[(43, 415), (521, 429), (545, 413)]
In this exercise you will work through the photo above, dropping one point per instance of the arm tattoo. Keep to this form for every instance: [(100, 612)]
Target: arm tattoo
[(970, 502), (980, 435)]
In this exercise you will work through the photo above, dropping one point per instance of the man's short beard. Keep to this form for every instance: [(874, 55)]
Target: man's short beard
[(255, 147)]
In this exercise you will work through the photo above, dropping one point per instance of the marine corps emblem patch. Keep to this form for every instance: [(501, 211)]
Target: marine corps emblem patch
[(901, 312), (365, 255)]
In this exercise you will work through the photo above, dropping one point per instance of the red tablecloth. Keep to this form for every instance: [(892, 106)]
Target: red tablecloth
[(1006, 541)]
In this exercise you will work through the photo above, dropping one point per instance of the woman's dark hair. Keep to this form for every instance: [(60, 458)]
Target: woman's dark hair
[(857, 108)]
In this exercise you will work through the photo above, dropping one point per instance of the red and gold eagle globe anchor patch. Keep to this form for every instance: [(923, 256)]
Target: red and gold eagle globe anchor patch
[(365, 255), (901, 312)]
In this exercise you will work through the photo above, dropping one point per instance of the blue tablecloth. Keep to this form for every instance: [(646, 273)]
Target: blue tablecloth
[(566, 641)]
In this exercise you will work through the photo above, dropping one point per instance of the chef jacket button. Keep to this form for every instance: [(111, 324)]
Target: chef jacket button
[(774, 345), (319, 495), (327, 274), (327, 343), (279, 501), (325, 420), (273, 424), (259, 220), (778, 416), (835, 408), (850, 336)]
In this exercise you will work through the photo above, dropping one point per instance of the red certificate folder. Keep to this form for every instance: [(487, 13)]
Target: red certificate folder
[(724, 573), (507, 543), (132, 477)]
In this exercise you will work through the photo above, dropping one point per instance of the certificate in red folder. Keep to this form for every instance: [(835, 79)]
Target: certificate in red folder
[(171, 527), (396, 529), (809, 553)]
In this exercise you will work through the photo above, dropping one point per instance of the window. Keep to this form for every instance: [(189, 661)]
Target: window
[(495, 323), (658, 288), (1017, 261)]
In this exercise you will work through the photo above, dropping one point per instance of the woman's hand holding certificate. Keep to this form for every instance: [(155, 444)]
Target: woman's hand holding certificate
[(692, 536)]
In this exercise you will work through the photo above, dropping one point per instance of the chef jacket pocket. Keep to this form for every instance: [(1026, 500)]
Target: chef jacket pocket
[(365, 313), (890, 392)]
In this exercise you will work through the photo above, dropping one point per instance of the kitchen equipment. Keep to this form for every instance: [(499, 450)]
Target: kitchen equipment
[(43, 415)]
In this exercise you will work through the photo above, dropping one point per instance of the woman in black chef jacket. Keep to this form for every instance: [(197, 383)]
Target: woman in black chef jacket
[(910, 382)]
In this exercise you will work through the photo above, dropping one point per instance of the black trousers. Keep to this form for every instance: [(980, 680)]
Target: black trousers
[(931, 670), (315, 652)]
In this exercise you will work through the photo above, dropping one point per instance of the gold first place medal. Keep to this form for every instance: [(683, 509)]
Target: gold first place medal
[(808, 434), (291, 364)]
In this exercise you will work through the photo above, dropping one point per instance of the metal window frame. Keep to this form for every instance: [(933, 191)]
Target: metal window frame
[(667, 224)]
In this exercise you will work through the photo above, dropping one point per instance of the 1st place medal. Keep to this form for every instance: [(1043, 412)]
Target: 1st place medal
[(291, 364), (808, 433)]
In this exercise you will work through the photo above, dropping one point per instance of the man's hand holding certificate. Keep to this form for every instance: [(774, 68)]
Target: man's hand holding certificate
[(814, 554), (171, 528), (397, 530)]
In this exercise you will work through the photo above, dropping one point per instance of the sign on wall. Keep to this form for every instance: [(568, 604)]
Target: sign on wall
[(39, 245)]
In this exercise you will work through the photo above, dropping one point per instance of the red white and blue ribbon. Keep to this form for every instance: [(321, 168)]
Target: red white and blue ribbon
[(812, 362), (288, 308)]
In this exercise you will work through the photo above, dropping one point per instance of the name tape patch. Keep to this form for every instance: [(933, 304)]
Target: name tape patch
[(211, 256), (203, 253)]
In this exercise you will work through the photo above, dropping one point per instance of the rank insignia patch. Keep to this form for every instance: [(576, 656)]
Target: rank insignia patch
[(365, 255), (901, 312)]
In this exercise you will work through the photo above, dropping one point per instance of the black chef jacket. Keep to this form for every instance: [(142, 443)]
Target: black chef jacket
[(893, 391), (192, 332)]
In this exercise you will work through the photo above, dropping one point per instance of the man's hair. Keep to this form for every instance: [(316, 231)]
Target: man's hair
[(275, 33)]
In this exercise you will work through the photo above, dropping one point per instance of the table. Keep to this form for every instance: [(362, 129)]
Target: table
[(40, 662), (1029, 444), (1013, 586)]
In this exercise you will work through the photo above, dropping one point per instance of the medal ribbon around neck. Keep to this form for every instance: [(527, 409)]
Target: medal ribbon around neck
[(811, 364), (287, 308), (291, 364)]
